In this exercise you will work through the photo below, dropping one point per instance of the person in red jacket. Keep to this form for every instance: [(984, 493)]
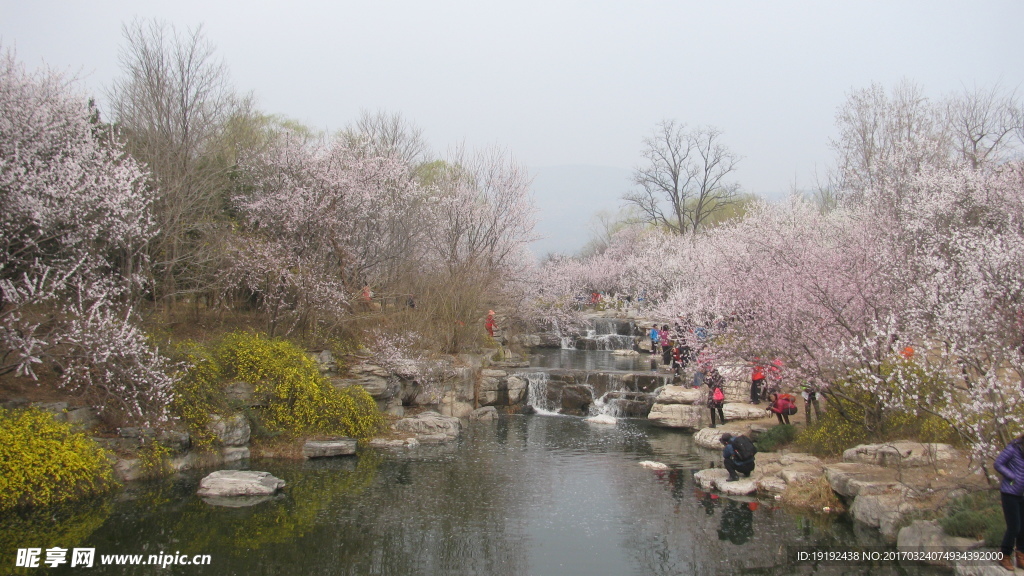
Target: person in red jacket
[(782, 406), (489, 323), (756, 381)]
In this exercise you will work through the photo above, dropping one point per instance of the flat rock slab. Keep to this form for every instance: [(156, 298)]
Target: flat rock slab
[(851, 480), (228, 483), (900, 453), (717, 479), (329, 448)]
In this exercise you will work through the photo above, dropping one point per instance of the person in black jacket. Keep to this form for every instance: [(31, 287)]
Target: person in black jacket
[(732, 459)]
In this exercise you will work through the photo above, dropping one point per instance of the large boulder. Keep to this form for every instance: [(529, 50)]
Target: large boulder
[(241, 393), (900, 453), (377, 381), (743, 411), (678, 395), (517, 388), (84, 418), (430, 423), (882, 511), (576, 400), (229, 431), (685, 416), (497, 388)]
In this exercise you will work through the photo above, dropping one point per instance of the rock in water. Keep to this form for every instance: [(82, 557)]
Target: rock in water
[(228, 483), (329, 448), (654, 465)]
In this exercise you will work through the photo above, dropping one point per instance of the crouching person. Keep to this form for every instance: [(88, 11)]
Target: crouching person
[(738, 456)]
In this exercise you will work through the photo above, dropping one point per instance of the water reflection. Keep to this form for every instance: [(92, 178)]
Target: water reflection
[(524, 495)]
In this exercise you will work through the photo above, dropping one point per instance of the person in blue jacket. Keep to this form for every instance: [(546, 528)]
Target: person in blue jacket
[(1010, 464)]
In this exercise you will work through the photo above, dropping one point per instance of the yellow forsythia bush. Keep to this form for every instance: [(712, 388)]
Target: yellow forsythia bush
[(299, 400), (43, 462)]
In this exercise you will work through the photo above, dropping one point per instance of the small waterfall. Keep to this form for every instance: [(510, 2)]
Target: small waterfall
[(537, 392), (606, 334)]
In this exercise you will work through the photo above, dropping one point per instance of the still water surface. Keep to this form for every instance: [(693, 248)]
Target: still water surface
[(527, 495)]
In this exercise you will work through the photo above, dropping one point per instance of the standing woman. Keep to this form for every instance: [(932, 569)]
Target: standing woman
[(666, 345), (1010, 464), (716, 398)]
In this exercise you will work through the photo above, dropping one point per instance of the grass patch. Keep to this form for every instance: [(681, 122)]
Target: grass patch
[(814, 495), (978, 515), (776, 437)]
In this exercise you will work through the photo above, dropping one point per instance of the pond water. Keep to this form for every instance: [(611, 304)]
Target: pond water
[(526, 495), (596, 360)]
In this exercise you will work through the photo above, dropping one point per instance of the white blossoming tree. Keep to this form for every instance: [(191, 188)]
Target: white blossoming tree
[(74, 223)]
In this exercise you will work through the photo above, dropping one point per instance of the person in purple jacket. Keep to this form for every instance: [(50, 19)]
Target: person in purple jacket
[(1010, 463)]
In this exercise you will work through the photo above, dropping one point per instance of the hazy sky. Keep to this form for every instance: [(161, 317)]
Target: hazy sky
[(565, 83)]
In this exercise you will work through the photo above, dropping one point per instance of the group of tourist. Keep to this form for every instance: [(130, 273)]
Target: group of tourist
[(617, 300), (686, 344)]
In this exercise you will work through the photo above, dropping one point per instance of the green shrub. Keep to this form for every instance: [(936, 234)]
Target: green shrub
[(776, 437), (298, 399), (851, 411), (154, 458), (978, 515), (198, 392), (831, 434), (43, 462)]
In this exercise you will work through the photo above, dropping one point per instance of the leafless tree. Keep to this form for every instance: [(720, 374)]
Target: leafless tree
[(685, 179), (886, 134), (986, 125), (173, 105), (386, 135)]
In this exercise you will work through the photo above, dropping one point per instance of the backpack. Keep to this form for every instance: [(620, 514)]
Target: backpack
[(718, 396), (744, 449), (788, 405)]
